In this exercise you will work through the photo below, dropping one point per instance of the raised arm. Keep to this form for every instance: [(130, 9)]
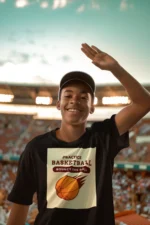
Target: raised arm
[(18, 214), (140, 97)]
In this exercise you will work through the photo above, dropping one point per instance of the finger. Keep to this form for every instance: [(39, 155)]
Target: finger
[(88, 48), (87, 53), (96, 49)]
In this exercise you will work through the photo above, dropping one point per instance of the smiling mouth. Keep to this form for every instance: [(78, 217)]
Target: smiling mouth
[(73, 110)]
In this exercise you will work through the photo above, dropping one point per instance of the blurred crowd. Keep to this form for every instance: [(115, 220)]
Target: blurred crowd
[(17, 130), (131, 191)]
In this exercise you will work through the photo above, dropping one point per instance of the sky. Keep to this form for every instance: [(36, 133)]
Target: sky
[(41, 40)]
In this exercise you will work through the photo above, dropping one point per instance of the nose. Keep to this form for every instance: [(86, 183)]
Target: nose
[(75, 99)]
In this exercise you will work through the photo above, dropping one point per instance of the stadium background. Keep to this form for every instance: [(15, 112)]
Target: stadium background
[(40, 41)]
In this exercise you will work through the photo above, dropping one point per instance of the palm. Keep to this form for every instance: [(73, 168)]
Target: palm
[(99, 58)]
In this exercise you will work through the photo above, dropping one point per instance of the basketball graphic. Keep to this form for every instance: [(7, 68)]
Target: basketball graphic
[(68, 187)]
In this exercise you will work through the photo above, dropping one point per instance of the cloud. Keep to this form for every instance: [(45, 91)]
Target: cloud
[(44, 60), (12, 39), (21, 3), (65, 58), (23, 37), (81, 8), (95, 5), (31, 42), (44, 4), (2, 1), (39, 79), (3, 62), (24, 57), (19, 57), (125, 5), (59, 4)]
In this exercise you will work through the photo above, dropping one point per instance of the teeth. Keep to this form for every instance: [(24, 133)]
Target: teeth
[(73, 110)]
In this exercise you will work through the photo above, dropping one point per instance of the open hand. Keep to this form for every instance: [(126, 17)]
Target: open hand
[(99, 58)]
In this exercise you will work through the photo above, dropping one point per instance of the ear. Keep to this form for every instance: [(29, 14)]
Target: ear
[(92, 109), (58, 105)]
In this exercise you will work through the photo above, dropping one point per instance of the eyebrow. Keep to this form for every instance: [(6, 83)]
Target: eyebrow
[(82, 92), (67, 91)]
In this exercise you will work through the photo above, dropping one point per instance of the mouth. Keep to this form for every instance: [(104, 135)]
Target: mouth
[(73, 110)]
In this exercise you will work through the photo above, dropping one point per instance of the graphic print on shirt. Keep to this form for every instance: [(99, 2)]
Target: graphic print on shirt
[(71, 178), (68, 187)]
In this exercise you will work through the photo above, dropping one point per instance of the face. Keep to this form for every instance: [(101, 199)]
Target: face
[(75, 103)]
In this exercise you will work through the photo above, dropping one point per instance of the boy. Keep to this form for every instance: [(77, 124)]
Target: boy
[(70, 167)]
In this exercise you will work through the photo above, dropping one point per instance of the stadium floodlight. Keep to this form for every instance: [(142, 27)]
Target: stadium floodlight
[(115, 100), (95, 100), (6, 98), (52, 113), (41, 100)]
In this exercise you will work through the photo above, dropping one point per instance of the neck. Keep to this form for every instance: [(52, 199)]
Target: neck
[(70, 133)]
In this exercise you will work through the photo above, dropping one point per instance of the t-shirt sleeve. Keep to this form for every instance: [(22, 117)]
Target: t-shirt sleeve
[(24, 186), (110, 133)]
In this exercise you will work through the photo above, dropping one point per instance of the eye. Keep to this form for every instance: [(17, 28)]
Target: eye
[(84, 97), (68, 96)]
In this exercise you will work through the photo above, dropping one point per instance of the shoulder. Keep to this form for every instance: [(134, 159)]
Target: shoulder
[(106, 125), (33, 147), (36, 142), (38, 139)]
